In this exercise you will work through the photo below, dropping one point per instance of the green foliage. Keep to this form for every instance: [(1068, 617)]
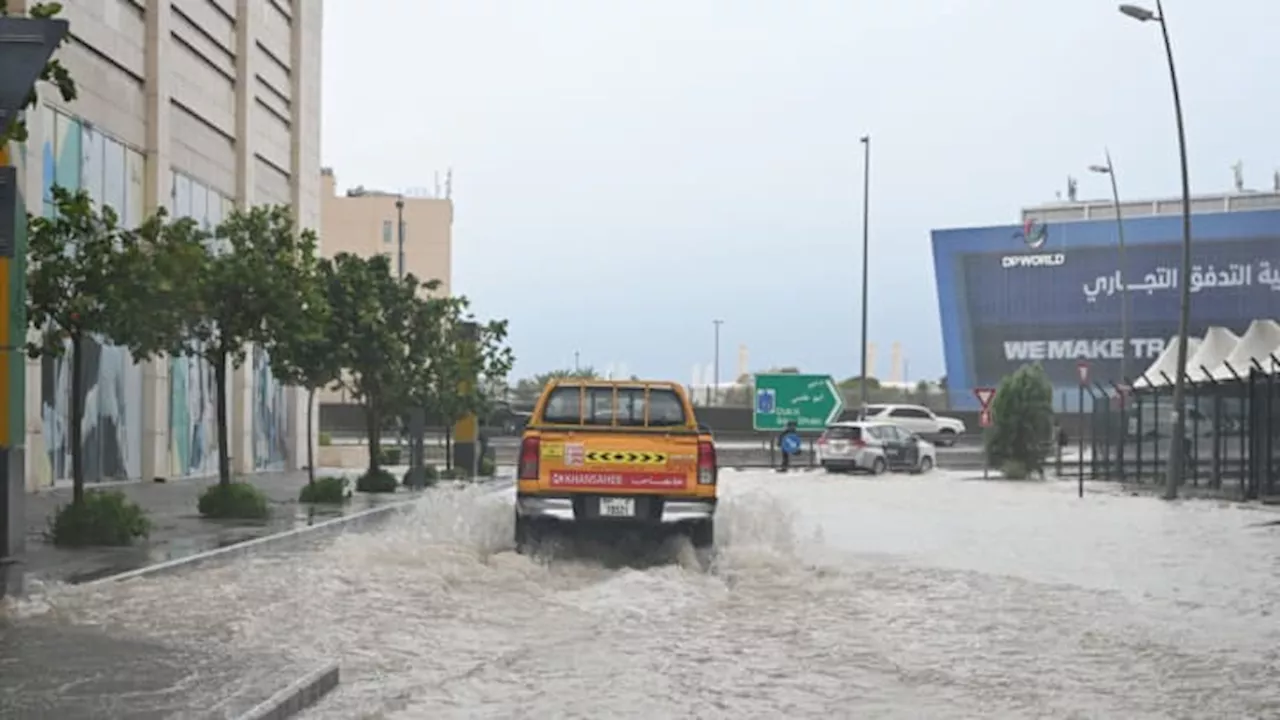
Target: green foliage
[(390, 456), (325, 439), (74, 262), (1014, 470), (430, 476), (376, 480), (487, 467), (328, 490), (101, 518), (454, 473), (233, 501), (1022, 413), (54, 72), (468, 354), (370, 313)]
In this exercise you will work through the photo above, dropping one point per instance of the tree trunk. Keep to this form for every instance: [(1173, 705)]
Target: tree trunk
[(373, 429), (448, 447), (220, 383), (311, 449), (77, 421)]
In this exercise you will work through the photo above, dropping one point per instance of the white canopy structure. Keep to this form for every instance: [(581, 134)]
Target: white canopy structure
[(1259, 342), (1166, 364), (1217, 345)]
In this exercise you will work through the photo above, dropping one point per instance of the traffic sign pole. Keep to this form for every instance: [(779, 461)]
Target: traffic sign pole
[(26, 44), (985, 397)]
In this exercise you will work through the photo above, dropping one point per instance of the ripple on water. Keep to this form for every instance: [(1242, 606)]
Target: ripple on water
[(435, 616)]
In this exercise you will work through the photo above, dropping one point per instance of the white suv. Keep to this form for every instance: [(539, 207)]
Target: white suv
[(874, 447), (919, 420)]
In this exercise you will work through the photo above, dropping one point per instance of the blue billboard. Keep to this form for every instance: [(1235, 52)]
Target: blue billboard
[(1050, 293)]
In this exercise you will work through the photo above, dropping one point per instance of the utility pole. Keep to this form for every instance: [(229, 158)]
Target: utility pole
[(400, 236), (576, 367), (715, 372), (866, 246), (26, 44)]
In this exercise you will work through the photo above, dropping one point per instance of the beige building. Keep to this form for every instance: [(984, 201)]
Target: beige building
[(197, 106), (363, 222)]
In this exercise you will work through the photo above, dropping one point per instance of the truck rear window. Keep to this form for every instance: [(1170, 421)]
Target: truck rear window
[(660, 407)]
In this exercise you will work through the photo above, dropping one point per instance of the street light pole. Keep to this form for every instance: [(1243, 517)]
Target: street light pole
[(1110, 170), (866, 246), (715, 372), (400, 237), (1177, 452)]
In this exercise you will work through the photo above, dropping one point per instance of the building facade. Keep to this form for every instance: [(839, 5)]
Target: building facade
[(197, 106), (1049, 290), (364, 223)]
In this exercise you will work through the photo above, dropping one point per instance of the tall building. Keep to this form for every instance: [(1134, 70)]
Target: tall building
[(363, 222), (197, 106)]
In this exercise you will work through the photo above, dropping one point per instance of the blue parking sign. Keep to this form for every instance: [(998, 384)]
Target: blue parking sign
[(790, 443), (766, 401)]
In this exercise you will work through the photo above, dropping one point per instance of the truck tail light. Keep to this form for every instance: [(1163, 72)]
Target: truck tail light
[(706, 463), (530, 448)]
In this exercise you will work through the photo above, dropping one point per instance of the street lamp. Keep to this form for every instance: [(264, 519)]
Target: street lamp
[(866, 246), (400, 236), (1110, 170), (715, 372), (1177, 452)]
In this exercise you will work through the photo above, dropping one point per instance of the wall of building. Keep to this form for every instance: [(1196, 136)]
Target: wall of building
[(366, 226), (195, 106)]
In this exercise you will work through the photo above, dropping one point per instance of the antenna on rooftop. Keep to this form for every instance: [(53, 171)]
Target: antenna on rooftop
[(1237, 174)]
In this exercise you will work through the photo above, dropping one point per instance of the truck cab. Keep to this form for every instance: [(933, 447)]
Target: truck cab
[(613, 457)]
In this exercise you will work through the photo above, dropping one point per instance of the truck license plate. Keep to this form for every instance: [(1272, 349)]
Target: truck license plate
[(617, 507)]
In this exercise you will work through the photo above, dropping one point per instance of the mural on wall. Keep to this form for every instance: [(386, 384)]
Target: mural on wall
[(78, 157), (270, 416), (193, 418)]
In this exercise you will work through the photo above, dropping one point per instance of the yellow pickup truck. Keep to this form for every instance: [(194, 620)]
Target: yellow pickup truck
[(615, 457)]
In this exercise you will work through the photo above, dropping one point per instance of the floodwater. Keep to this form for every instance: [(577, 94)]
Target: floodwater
[(891, 597)]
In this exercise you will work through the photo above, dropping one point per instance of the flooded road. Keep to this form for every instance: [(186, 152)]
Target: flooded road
[(892, 597)]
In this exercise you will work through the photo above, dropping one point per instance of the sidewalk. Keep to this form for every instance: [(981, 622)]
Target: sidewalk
[(178, 530)]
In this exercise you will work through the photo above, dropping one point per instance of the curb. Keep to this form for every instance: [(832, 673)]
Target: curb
[(298, 696), (328, 527)]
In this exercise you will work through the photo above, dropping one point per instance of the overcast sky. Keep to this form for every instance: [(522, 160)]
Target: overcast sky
[(627, 171)]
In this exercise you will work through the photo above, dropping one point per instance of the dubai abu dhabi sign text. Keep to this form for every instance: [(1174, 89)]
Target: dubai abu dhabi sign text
[(1034, 235)]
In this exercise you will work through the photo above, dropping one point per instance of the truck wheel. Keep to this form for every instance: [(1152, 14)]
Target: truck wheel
[(702, 534), (526, 535)]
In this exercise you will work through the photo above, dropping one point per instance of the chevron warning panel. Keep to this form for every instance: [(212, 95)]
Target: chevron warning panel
[(625, 457)]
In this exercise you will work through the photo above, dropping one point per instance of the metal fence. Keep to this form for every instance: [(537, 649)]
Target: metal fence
[(1232, 439)]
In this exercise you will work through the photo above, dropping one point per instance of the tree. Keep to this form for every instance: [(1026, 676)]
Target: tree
[(54, 72), (299, 337), (1022, 413), (74, 260), (371, 313), (469, 354), (232, 282)]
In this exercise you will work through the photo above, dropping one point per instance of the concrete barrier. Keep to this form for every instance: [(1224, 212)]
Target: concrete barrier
[(298, 696)]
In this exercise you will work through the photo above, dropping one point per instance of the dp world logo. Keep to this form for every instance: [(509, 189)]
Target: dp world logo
[(1033, 234)]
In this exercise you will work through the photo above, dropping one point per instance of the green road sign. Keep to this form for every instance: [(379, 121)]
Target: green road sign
[(812, 402)]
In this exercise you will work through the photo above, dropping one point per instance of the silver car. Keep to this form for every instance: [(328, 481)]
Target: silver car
[(874, 447)]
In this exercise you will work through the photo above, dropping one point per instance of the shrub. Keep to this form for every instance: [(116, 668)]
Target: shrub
[(390, 456), (332, 490), (235, 501), (325, 439), (105, 518), (377, 481), (453, 473), (429, 476), (1023, 418), (487, 466), (1014, 470)]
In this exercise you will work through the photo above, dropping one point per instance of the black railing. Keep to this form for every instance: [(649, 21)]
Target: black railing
[(1232, 440)]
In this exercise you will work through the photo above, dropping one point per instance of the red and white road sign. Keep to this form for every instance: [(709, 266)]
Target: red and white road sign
[(985, 395), (984, 418), (1082, 370)]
